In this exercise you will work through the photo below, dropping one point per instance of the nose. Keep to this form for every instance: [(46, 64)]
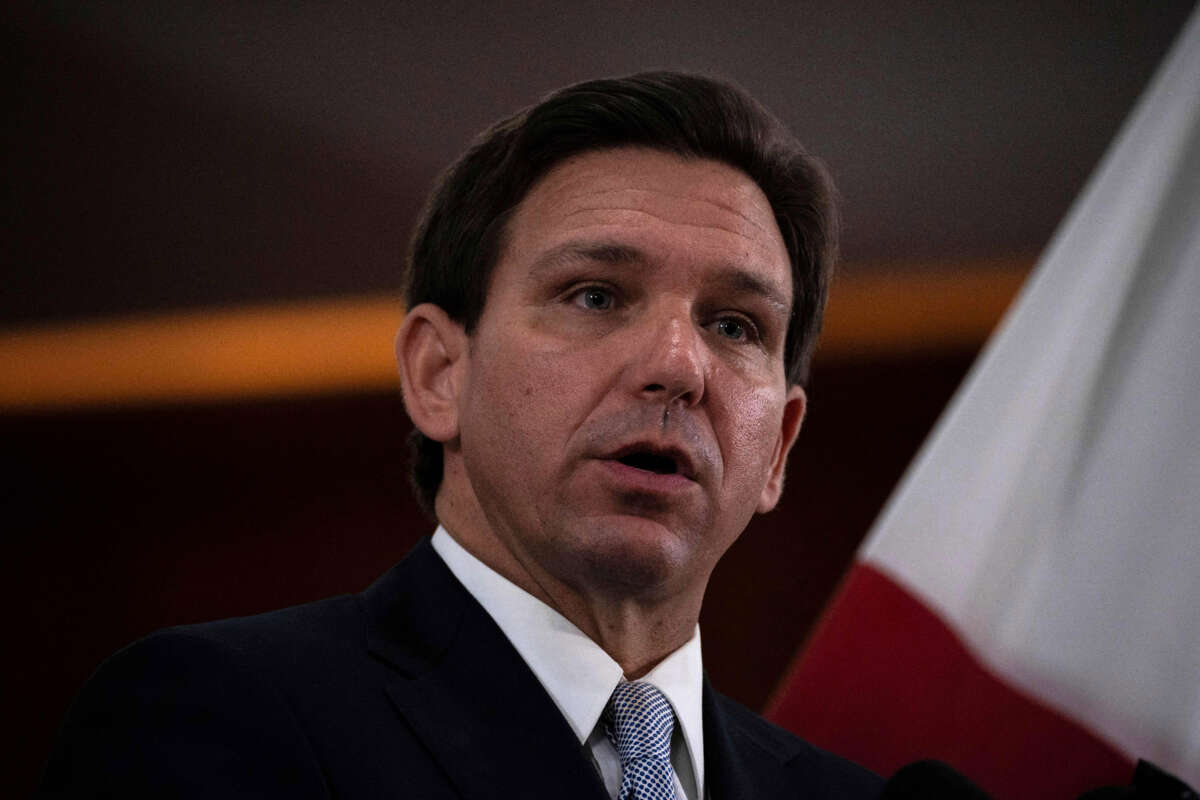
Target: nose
[(671, 365)]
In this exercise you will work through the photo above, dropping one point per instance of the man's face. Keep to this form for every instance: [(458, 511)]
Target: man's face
[(624, 409)]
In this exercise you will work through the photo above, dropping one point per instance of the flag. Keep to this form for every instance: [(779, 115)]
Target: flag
[(1027, 606)]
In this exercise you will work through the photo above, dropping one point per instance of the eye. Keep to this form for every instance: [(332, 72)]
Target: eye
[(594, 298), (736, 329)]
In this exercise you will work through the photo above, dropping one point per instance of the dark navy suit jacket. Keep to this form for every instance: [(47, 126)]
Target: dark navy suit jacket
[(406, 690)]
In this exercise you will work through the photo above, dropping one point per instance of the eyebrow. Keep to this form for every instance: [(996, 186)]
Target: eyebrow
[(583, 252), (739, 281), (734, 280)]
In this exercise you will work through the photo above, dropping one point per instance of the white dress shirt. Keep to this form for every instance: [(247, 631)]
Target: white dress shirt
[(579, 676)]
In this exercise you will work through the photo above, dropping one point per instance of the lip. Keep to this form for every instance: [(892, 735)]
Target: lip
[(638, 479), (644, 481), (684, 462)]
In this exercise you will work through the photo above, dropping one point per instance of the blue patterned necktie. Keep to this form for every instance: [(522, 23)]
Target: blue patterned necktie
[(639, 722)]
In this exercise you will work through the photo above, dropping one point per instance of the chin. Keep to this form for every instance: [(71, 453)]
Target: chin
[(633, 556)]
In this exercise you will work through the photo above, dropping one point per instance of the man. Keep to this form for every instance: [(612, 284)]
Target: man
[(613, 297)]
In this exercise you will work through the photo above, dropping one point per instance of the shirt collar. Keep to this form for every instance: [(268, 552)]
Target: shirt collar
[(575, 671)]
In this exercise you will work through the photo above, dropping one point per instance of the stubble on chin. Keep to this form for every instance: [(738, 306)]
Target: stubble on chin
[(628, 557)]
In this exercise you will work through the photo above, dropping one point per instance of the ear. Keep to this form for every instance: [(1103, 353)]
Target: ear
[(793, 416), (430, 353)]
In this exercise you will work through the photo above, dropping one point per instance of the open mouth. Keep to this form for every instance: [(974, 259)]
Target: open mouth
[(650, 462)]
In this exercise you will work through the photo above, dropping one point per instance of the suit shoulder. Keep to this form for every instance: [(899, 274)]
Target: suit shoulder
[(330, 620), (297, 635), (810, 766), (180, 712)]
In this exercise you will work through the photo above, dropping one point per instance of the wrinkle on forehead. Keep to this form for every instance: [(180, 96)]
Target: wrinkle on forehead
[(646, 200), (709, 183), (707, 225), (727, 207)]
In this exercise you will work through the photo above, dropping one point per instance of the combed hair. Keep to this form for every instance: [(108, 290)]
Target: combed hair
[(460, 233)]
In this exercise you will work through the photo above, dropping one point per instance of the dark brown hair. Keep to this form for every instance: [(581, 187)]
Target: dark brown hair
[(459, 235)]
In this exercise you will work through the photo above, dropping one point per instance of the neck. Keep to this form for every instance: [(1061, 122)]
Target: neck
[(636, 636), (637, 631)]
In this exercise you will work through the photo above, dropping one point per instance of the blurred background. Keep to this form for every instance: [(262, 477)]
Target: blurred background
[(205, 216)]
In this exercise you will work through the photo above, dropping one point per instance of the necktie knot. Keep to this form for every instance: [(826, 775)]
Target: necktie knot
[(639, 723)]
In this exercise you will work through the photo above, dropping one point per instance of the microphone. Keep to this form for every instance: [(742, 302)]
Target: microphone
[(1150, 782), (930, 779)]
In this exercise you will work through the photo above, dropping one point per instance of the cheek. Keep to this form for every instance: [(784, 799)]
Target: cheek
[(752, 425), (531, 395), (506, 433)]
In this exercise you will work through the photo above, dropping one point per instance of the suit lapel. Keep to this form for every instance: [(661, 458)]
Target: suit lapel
[(737, 763), (467, 693)]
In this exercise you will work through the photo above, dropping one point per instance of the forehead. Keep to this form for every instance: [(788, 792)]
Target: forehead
[(672, 208)]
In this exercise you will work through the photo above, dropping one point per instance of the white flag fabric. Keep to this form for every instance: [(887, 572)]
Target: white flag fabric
[(1052, 521)]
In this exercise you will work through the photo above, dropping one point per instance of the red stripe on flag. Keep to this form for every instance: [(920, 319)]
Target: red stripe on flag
[(885, 682)]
